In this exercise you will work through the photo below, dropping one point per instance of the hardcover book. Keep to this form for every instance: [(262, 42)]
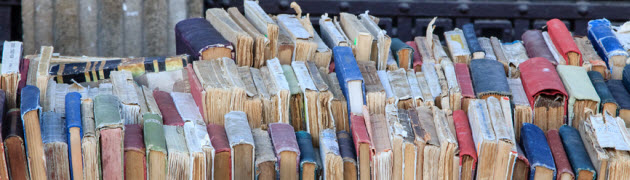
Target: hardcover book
[(426, 141), (486, 45), (124, 88), (608, 46), (404, 149), (465, 84), (311, 99), (358, 34), (286, 148), (242, 145), (545, 93), (622, 96), (500, 52), (265, 25), (156, 150), (417, 59), (381, 43), (424, 49), (473, 44), (110, 132), (522, 110), (382, 155), (536, 47), (14, 146), (135, 153), (484, 137), (179, 161), (457, 45), (350, 78), (265, 163), (553, 49), (582, 93), (55, 146), (400, 87), (577, 153), (231, 31), (331, 34), (452, 84), (488, 79), (362, 146), (467, 153), (308, 160), (198, 38), (223, 152), (346, 149), (559, 155), (403, 53), (10, 71), (591, 59), (338, 105), (89, 142), (305, 47), (448, 145), (281, 90), (330, 156), (286, 46), (30, 112), (201, 152), (538, 151), (169, 112), (562, 39), (74, 129), (262, 45), (608, 102), (516, 54), (324, 99), (296, 99)]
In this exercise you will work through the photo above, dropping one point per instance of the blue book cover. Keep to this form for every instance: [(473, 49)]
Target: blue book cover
[(576, 152), (347, 70), (73, 119), (604, 40), (488, 77), (471, 38), (536, 148), (29, 101), (307, 152)]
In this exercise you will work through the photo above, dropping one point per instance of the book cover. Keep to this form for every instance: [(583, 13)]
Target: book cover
[(608, 102), (308, 162), (155, 145), (14, 142), (110, 131), (265, 164), (346, 149), (223, 153), (242, 145), (350, 78), (286, 148), (75, 133), (55, 139), (403, 53), (198, 38), (576, 153), (362, 145), (561, 37), (488, 78), (168, 109), (472, 41), (582, 93), (465, 142), (542, 83), (457, 46), (559, 155), (607, 45), (538, 152), (30, 109), (135, 152), (536, 47)]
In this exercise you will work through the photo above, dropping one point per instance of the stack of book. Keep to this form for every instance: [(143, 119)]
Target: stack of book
[(259, 96)]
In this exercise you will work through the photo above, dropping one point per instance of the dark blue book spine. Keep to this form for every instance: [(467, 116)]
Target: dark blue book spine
[(537, 149), (602, 89), (488, 77), (576, 152), (73, 119), (346, 146), (604, 40), (625, 78), (29, 101), (307, 152), (471, 38), (347, 69), (619, 92)]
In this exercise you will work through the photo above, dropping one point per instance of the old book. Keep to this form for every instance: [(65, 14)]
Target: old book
[(374, 92), (286, 47), (331, 34), (522, 110), (286, 148), (592, 61), (222, 157), (502, 56), (346, 149), (465, 84), (488, 79), (261, 44), (89, 141), (178, 162), (608, 46), (55, 147), (252, 106), (324, 99), (186, 107), (323, 54), (433, 82), (467, 153), (418, 88), (521, 167), (473, 44), (454, 91), (457, 45), (577, 153), (443, 101), (308, 163), (110, 131), (362, 146), (198, 38), (125, 89), (13, 138), (305, 47), (484, 137), (168, 109), (381, 43), (608, 102), (503, 129), (232, 32), (265, 25), (403, 53), (338, 105), (401, 89), (425, 139), (621, 96), (391, 62), (350, 78), (74, 129), (516, 54), (358, 34), (263, 95), (41, 76), (600, 157), (156, 149), (389, 93), (135, 157), (201, 151), (265, 164), (311, 99), (424, 49), (404, 149), (424, 88), (30, 110), (547, 99), (448, 145), (553, 49), (417, 58), (536, 47), (538, 151), (559, 155), (10, 74), (562, 39), (486, 45), (296, 99), (279, 89), (622, 36), (330, 156), (241, 144), (582, 93), (382, 158)]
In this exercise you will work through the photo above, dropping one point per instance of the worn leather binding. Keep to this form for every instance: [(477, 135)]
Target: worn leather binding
[(607, 46), (582, 93), (346, 149), (608, 102), (265, 164), (285, 146), (417, 58), (535, 45), (538, 152), (473, 43), (466, 144), (75, 132), (488, 78), (362, 145), (221, 145), (559, 155), (622, 97), (576, 153), (198, 38), (541, 81), (561, 37), (403, 53), (165, 102), (135, 153), (308, 162), (347, 70), (13, 138)]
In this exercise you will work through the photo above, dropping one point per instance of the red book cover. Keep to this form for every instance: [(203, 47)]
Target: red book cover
[(359, 132), (539, 77), (464, 137), (167, 107), (562, 39), (23, 77), (196, 89), (559, 155), (417, 58), (283, 139), (134, 141), (218, 138), (464, 80)]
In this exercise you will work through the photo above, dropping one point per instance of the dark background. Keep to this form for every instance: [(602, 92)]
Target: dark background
[(405, 19)]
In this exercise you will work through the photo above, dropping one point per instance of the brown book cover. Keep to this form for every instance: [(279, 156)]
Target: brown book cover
[(135, 159), (13, 138), (222, 157), (167, 107)]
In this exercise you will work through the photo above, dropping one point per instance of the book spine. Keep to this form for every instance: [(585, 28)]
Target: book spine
[(283, 139), (602, 90), (604, 40), (536, 46), (347, 70), (537, 149), (488, 78), (417, 57), (471, 38), (576, 152), (346, 147), (307, 152), (187, 33), (73, 120), (464, 137), (54, 138), (168, 108), (559, 155), (562, 38)]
